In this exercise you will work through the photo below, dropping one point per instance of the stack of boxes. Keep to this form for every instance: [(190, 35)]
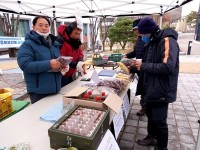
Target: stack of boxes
[(69, 130)]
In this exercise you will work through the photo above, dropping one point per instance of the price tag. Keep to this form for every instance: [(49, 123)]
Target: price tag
[(118, 121), (126, 105), (95, 77), (108, 142)]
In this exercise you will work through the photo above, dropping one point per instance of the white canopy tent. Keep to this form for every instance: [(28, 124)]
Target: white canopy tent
[(63, 9), (89, 8)]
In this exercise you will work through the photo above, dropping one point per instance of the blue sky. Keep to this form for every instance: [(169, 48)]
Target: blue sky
[(191, 6)]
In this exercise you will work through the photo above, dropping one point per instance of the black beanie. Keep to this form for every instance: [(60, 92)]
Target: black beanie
[(147, 25)]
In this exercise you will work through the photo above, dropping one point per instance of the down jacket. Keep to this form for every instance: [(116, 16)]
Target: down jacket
[(33, 58), (67, 50), (160, 67), (138, 50)]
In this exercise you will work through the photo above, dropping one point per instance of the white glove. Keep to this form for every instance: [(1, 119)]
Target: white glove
[(64, 70), (80, 68)]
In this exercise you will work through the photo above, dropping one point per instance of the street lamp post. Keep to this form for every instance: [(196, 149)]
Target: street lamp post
[(198, 26)]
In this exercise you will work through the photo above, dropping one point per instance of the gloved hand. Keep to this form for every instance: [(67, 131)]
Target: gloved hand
[(81, 67), (64, 70)]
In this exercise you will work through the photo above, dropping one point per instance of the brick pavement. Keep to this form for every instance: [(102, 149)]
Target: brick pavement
[(182, 118), (16, 82)]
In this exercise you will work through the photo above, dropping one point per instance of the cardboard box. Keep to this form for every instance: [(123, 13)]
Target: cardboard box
[(60, 139), (113, 101)]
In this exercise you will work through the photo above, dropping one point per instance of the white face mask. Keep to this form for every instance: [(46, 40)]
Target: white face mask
[(43, 34)]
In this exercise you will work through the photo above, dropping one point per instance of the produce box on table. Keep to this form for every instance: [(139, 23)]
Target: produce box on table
[(80, 127), (80, 96)]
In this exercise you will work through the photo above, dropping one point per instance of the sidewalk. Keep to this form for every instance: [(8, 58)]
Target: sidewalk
[(182, 118), (15, 82)]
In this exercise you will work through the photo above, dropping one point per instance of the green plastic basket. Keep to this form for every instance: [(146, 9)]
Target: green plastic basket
[(115, 57)]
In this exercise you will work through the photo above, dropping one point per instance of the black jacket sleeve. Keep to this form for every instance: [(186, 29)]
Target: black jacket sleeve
[(169, 51), (131, 54), (73, 64)]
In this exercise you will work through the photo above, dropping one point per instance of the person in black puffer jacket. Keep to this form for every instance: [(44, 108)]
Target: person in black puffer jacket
[(158, 80), (137, 53)]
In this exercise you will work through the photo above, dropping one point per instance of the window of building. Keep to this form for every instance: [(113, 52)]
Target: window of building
[(1, 32), (57, 24), (24, 28), (84, 29)]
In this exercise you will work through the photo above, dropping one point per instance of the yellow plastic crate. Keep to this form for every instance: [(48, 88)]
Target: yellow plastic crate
[(5, 102)]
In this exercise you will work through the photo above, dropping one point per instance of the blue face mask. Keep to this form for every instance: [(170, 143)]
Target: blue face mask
[(145, 39)]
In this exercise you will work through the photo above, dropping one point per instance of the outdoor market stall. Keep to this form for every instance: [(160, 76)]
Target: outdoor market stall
[(27, 126)]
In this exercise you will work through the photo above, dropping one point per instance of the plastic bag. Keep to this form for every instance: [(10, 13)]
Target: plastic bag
[(112, 82), (127, 61), (64, 60), (20, 146)]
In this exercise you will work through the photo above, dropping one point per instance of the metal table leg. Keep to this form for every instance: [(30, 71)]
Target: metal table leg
[(198, 138)]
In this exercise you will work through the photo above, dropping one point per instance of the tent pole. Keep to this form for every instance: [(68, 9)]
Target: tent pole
[(88, 36), (161, 16), (54, 23), (161, 21)]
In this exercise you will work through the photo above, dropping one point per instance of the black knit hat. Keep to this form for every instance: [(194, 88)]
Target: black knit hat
[(135, 23), (147, 25)]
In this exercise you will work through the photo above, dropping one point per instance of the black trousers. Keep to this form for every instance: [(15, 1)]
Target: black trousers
[(66, 80), (143, 101), (36, 97), (157, 122)]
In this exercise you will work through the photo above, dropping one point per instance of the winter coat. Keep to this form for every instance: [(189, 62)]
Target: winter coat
[(68, 50), (33, 58), (138, 50), (160, 67)]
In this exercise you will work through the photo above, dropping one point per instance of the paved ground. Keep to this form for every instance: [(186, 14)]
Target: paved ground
[(182, 116)]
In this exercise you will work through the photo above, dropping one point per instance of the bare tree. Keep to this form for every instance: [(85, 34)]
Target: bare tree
[(9, 27), (95, 23), (105, 24)]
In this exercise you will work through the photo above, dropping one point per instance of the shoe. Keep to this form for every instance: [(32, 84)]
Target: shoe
[(147, 141), (141, 112), (156, 148)]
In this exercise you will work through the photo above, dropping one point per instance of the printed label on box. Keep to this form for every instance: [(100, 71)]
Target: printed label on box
[(118, 121), (108, 142), (95, 77), (126, 105)]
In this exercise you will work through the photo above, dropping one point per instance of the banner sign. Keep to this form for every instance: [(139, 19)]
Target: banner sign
[(11, 42)]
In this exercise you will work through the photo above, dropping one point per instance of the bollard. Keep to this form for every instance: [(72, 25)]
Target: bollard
[(198, 138), (189, 47), (99, 48)]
